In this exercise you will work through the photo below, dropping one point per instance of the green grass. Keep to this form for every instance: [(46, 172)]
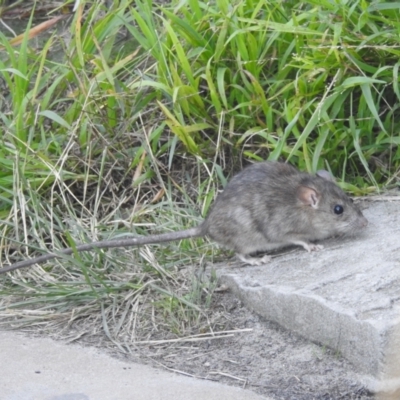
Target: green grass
[(129, 118)]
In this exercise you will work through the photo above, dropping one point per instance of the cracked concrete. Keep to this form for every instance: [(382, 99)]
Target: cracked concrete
[(346, 296)]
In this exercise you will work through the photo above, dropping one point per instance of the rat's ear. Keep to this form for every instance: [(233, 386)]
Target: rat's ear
[(308, 196), (325, 175)]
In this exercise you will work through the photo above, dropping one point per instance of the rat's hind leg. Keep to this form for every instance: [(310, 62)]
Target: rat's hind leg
[(253, 260)]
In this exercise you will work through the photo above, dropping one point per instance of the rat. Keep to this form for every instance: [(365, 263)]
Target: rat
[(266, 206)]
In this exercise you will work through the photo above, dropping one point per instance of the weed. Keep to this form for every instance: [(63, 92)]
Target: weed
[(143, 113)]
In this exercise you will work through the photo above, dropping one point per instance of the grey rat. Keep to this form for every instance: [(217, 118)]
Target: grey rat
[(266, 206), (271, 205)]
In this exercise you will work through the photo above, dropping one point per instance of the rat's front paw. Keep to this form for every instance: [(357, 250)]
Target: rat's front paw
[(314, 247), (254, 260), (309, 246)]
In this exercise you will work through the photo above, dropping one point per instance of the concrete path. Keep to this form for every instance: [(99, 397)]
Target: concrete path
[(346, 296), (41, 369)]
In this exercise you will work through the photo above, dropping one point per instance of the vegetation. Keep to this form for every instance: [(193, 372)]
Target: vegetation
[(129, 117)]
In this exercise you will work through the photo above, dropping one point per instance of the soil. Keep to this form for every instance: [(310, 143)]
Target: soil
[(263, 358), (251, 353)]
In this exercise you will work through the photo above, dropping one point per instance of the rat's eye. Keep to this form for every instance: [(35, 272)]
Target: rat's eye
[(338, 209)]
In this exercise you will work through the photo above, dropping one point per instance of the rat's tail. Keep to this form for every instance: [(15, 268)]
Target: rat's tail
[(106, 244)]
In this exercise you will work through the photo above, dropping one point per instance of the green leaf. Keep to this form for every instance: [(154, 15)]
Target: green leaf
[(15, 72), (384, 6), (366, 89), (55, 117), (358, 81)]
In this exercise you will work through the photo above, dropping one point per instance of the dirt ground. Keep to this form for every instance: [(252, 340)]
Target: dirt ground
[(260, 356), (265, 359)]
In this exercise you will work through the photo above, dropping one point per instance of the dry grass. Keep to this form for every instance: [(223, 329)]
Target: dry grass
[(141, 120)]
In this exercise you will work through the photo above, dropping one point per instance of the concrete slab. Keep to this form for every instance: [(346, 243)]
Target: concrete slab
[(41, 369), (346, 296)]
